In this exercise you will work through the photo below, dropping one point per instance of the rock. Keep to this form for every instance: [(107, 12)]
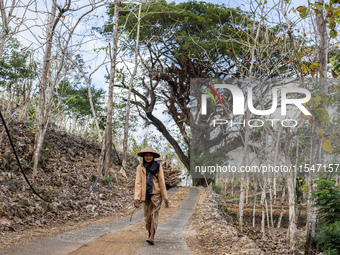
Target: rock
[(249, 246), (30, 209), (25, 202), (39, 209), (16, 210), (53, 207), (71, 152), (5, 222)]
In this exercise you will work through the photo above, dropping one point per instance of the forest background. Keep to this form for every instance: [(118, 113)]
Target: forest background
[(119, 72)]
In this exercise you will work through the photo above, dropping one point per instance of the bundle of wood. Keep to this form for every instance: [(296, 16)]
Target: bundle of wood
[(171, 174)]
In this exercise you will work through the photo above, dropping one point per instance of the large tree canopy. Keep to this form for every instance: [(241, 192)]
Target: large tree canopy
[(185, 41)]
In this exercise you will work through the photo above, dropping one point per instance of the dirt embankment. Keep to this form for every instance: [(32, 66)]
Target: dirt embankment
[(210, 232), (67, 171)]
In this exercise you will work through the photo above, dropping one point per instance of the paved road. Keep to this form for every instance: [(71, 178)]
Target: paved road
[(170, 239)]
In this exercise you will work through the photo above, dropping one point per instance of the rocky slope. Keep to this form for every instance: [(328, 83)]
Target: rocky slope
[(68, 170)]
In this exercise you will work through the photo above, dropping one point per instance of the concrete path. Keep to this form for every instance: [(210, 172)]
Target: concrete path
[(169, 237)]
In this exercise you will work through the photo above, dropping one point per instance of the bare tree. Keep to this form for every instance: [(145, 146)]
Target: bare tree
[(88, 81), (128, 104), (263, 204), (254, 203), (293, 239), (321, 19), (8, 18), (13, 15), (42, 116), (49, 78), (282, 203), (245, 163), (113, 58)]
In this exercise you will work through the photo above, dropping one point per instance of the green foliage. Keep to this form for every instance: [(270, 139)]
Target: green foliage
[(333, 13), (15, 66), (135, 146), (217, 189), (328, 239), (48, 194), (106, 181), (189, 39), (211, 157), (119, 113), (185, 28), (327, 199), (77, 102), (203, 15), (336, 63), (93, 177), (17, 71), (31, 117), (304, 12), (72, 90)]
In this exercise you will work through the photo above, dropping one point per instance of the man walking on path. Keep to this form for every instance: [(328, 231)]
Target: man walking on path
[(150, 189)]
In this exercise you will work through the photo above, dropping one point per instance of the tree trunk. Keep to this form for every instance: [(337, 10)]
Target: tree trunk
[(321, 21), (245, 163), (42, 115), (275, 160), (271, 205), (128, 103), (254, 204), (311, 210), (241, 204), (267, 212), (291, 200), (108, 130), (232, 186), (247, 188), (74, 129), (162, 128), (282, 204), (263, 197), (5, 22)]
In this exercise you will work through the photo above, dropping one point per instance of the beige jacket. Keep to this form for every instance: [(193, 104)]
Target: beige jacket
[(158, 184)]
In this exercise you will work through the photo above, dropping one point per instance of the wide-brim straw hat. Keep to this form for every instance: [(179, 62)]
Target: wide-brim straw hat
[(148, 150)]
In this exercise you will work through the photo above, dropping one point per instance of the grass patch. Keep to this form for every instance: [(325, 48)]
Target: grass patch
[(106, 181)]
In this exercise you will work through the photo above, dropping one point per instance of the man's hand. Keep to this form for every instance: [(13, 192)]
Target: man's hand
[(166, 201), (137, 203)]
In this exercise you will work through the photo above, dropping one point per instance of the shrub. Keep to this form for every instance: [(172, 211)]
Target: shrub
[(48, 194), (106, 181), (327, 199), (328, 238), (93, 177), (217, 189)]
